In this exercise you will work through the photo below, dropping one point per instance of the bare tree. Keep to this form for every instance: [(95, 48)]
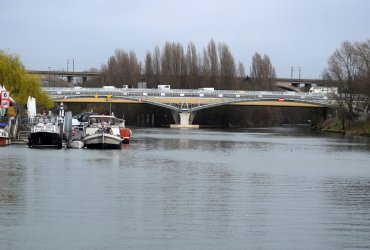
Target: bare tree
[(262, 71), (134, 69), (166, 59), (157, 65), (362, 51), (192, 65), (343, 66), (213, 62), (214, 67), (241, 70), (122, 68), (205, 68), (149, 70), (112, 73), (227, 67), (177, 64)]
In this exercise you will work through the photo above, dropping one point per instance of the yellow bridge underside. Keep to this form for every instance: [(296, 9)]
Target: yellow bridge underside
[(187, 100)]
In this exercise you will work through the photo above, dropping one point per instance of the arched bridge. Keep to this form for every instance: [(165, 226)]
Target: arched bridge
[(187, 101)]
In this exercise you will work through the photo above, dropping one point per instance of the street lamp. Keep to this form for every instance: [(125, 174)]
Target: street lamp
[(49, 77)]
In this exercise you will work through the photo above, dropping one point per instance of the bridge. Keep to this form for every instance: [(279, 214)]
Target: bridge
[(69, 74), (290, 84), (185, 102)]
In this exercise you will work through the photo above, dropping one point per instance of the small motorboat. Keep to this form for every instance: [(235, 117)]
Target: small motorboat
[(104, 132)]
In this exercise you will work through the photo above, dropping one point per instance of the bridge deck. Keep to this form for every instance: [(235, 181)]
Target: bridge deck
[(185, 99)]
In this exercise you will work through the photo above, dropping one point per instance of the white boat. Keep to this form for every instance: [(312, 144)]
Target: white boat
[(4, 137), (75, 144), (103, 132), (45, 134)]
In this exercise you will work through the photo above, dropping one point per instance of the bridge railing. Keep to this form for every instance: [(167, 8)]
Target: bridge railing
[(136, 92)]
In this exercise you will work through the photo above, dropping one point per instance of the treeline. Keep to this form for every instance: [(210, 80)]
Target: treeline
[(213, 66)]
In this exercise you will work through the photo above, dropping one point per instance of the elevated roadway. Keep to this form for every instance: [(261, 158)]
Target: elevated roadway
[(184, 102), (86, 74)]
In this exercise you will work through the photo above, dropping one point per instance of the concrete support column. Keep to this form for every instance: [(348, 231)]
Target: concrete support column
[(176, 117), (183, 120)]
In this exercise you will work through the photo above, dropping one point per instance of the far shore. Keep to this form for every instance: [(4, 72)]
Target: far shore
[(358, 128)]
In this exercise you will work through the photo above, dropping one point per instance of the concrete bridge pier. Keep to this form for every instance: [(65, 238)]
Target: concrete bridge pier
[(183, 120)]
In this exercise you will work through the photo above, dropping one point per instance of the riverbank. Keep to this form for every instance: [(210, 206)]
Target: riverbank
[(357, 128)]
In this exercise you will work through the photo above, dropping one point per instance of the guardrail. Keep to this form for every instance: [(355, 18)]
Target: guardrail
[(117, 92)]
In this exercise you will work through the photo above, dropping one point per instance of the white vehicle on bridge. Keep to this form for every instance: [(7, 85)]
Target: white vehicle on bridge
[(164, 87), (207, 89), (323, 90), (108, 87)]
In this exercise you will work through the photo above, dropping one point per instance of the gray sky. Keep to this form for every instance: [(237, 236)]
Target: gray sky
[(293, 33)]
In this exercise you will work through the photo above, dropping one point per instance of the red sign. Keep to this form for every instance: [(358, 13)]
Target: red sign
[(281, 99), (5, 99), (4, 103)]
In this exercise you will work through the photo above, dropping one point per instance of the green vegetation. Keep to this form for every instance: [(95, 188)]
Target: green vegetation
[(335, 127), (361, 128), (14, 78)]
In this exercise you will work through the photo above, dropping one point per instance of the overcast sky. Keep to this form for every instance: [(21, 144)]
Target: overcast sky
[(293, 33)]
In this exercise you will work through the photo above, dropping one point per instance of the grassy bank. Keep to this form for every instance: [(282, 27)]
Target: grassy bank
[(359, 128)]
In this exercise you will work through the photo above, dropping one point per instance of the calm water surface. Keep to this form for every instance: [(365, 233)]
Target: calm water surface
[(279, 188)]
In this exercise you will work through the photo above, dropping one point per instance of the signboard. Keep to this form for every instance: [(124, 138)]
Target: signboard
[(5, 95), (5, 99), (4, 103)]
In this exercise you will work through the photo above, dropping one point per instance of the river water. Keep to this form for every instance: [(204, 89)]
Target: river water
[(276, 188)]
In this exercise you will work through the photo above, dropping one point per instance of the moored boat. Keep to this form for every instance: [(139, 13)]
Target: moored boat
[(45, 134), (124, 132), (75, 144), (4, 137), (103, 132)]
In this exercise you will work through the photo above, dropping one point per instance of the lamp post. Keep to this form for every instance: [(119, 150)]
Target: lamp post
[(49, 77)]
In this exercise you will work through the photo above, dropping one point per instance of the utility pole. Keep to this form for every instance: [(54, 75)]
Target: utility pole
[(73, 60), (291, 73), (299, 72)]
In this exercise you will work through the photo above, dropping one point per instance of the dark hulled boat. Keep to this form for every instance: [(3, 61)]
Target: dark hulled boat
[(45, 134)]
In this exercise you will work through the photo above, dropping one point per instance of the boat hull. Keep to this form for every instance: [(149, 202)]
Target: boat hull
[(102, 141), (5, 141), (125, 134), (44, 140), (75, 144), (4, 138)]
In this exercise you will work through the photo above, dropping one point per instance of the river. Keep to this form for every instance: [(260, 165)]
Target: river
[(276, 188)]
